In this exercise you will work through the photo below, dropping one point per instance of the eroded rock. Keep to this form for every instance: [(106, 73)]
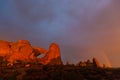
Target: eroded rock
[(38, 51), (52, 56), (4, 48), (23, 51)]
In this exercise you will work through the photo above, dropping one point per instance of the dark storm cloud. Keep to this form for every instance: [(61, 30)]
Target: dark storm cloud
[(83, 28)]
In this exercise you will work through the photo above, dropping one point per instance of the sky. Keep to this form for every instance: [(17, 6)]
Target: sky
[(83, 28)]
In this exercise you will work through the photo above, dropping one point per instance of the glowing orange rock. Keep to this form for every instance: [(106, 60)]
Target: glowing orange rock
[(23, 51), (4, 48), (38, 51), (23, 47), (52, 56)]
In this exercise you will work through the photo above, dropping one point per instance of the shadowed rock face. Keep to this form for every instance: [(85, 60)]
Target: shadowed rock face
[(96, 63), (23, 51)]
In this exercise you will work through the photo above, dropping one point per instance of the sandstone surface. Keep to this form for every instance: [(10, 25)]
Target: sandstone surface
[(53, 55), (22, 50)]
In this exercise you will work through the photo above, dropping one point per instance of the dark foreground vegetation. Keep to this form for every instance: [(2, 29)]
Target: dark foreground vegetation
[(34, 71)]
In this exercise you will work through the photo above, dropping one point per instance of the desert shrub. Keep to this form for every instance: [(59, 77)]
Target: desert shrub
[(72, 75), (55, 75), (1, 60), (13, 77)]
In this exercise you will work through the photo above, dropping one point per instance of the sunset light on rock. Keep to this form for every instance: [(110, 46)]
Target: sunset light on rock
[(69, 33)]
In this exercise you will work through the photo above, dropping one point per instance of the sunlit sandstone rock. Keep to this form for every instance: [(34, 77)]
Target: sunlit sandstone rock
[(4, 48), (38, 51), (22, 46), (52, 56), (23, 51)]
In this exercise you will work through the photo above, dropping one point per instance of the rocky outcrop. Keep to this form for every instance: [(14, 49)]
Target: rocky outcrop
[(96, 63), (4, 48), (23, 51), (52, 56)]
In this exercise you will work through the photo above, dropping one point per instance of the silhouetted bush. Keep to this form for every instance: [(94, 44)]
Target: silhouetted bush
[(58, 72)]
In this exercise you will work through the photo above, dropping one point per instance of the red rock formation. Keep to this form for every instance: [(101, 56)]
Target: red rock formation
[(4, 48), (38, 51), (52, 56), (23, 51)]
